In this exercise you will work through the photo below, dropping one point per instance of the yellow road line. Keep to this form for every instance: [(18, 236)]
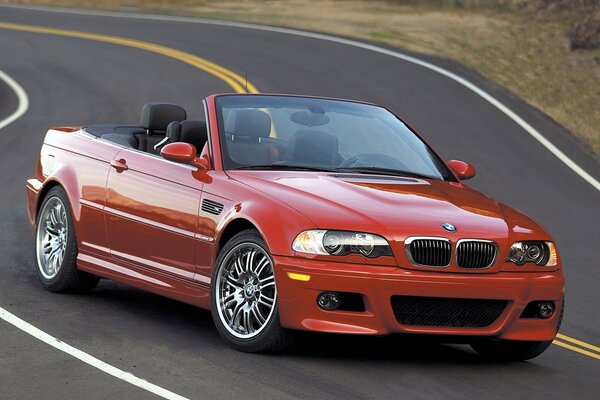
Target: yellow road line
[(238, 83), (235, 81), (576, 349), (578, 342)]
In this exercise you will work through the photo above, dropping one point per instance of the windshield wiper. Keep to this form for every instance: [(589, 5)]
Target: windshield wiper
[(360, 170), (384, 171), (293, 167)]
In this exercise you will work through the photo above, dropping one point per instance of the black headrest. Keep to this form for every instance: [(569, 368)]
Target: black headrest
[(156, 116), (189, 131), (313, 147), (252, 124)]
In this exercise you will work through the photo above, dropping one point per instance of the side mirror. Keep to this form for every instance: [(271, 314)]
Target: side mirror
[(184, 153), (463, 170)]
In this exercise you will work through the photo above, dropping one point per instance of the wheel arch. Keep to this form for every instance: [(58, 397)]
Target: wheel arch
[(277, 223), (232, 228), (66, 178), (43, 193)]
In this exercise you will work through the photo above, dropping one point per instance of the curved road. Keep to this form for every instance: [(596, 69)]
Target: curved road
[(74, 81)]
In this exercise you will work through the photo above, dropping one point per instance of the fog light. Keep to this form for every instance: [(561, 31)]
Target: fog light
[(545, 309), (329, 301)]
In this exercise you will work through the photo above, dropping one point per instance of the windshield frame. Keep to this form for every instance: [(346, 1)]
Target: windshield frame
[(443, 169)]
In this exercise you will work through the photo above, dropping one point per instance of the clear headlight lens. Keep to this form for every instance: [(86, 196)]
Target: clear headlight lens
[(341, 243), (541, 253)]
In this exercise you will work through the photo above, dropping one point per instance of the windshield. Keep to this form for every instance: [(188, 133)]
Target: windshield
[(278, 132)]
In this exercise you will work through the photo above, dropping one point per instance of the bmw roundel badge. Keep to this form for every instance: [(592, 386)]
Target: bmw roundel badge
[(449, 227)]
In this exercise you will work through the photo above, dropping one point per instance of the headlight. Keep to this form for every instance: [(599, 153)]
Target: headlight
[(541, 253), (341, 243)]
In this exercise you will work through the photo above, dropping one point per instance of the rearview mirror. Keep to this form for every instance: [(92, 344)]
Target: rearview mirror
[(461, 169), (184, 153)]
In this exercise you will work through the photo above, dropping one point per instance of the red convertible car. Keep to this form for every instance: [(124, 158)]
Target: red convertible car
[(282, 213)]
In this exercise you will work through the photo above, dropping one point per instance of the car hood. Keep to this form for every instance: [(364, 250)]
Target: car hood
[(395, 207)]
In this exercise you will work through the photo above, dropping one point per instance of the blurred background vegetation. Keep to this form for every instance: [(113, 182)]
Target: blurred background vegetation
[(545, 51)]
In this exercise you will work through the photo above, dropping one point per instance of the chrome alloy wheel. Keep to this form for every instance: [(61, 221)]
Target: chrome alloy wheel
[(245, 290), (51, 237)]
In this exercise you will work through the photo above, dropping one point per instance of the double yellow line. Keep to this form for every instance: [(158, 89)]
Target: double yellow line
[(237, 82), (577, 345), (240, 85)]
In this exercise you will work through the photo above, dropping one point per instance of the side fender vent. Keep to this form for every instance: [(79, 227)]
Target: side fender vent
[(212, 207)]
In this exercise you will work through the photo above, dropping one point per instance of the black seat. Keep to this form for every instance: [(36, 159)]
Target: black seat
[(314, 147), (251, 126), (248, 143), (154, 120), (188, 131)]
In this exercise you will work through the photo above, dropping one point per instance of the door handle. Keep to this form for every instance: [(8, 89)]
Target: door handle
[(120, 165)]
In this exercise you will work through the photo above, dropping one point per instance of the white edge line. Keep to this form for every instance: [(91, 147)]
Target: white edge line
[(22, 98), (51, 340), (24, 105), (320, 36), (86, 358)]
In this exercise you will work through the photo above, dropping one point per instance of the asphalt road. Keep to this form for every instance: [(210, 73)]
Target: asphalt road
[(72, 81)]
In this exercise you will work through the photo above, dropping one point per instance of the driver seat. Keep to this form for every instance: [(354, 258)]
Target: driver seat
[(188, 131), (154, 120)]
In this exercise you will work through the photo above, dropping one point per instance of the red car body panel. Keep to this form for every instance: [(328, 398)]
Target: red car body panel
[(379, 283), (138, 220)]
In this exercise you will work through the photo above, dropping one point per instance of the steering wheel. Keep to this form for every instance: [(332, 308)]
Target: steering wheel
[(373, 160)]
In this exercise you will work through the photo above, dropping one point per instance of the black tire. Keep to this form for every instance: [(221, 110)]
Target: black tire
[(272, 337), (68, 279), (514, 350), (562, 314), (510, 350)]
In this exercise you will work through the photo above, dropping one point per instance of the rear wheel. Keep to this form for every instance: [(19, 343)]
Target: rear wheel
[(56, 247), (244, 295)]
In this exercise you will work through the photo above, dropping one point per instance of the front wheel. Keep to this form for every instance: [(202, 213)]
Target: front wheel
[(515, 350), (510, 350), (244, 295)]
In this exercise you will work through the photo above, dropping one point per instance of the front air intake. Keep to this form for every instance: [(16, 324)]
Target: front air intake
[(446, 312)]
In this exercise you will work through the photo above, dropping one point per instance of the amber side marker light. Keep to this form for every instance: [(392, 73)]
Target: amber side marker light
[(298, 277)]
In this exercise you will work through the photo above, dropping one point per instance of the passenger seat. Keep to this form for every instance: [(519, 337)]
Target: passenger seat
[(314, 147), (247, 145)]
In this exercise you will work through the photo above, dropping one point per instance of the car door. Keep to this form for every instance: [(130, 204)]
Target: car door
[(152, 212)]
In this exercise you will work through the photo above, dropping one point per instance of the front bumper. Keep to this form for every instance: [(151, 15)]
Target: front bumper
[(298, 307)]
